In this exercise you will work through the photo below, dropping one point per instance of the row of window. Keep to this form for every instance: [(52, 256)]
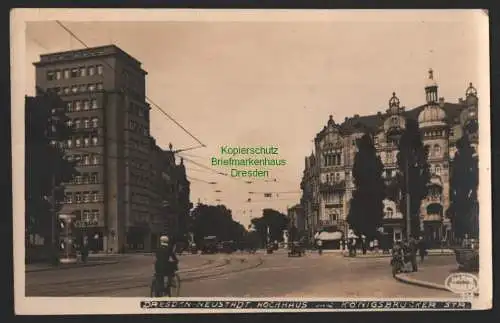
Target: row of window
[(332, 159), (74, 89), (81, 105), (87, 216), (86, 123), (333, 177), (436, 133), (139, 110), (85, 160), (78, 142), (83, 197), (86, 178), (138, 128), (75, 72)]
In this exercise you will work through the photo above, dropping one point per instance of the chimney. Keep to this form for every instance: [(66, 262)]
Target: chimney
[(441, 102), (346, 119), (356, 116), (379, 114), (461, 100)]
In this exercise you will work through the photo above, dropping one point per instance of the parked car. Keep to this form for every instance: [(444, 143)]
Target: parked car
[(209, 245)]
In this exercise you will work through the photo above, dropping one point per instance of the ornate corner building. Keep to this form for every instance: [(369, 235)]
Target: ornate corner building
[(327, 182)]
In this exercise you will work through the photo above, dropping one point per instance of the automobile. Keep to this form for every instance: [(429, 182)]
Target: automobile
[(227, 247), (209, 245)]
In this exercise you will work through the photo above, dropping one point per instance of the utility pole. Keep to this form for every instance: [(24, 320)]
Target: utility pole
[(53, 216), (407, 195)]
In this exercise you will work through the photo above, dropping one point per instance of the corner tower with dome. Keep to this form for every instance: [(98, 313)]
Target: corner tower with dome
[(327, 181)]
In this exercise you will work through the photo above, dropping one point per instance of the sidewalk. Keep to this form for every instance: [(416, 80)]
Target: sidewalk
[(432, 276), (93, 261), (380, 254)]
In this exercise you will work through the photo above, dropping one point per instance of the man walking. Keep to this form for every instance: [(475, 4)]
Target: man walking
[(320, 246), (422, 249)]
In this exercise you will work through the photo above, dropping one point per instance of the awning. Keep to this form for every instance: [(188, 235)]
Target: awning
[(329, 236)]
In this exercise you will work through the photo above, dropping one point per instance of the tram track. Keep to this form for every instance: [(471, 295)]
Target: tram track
[(74, 289)]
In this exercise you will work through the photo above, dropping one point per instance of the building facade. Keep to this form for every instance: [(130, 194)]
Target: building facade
[(327, 182), (297, 217), (104, 92)]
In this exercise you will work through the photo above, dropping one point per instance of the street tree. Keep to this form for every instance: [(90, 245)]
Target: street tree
[(275, 221), (46, 169), (215, 220), (414, 171), (366, 207), (464, 181)]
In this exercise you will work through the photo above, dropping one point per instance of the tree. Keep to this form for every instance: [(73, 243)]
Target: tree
[(46, 169), (413, 166), (463, 190), (211, 220), (275, 221), (366, 210)]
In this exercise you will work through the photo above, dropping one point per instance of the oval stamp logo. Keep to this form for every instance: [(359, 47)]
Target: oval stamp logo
[(462, 283)]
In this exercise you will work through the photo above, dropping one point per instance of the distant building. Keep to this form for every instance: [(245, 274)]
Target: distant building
[(104, 92), (327, 181), (297, 217)]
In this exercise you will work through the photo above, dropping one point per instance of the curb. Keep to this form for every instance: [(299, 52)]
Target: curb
[(403, 278), (65, 267), (388, 256), (411, 281)]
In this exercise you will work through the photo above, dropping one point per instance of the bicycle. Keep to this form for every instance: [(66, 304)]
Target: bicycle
[(171, 288)]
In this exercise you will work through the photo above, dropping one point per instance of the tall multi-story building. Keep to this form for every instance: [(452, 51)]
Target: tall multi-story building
[(327, 181), (297, 218), (104, 92)]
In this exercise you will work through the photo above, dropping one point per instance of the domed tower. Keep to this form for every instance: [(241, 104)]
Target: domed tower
[(469, 116), (434, 129)]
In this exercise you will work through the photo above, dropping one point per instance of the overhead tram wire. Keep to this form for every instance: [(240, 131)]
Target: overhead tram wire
[(201, 145)]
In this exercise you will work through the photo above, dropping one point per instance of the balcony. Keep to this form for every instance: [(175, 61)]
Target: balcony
[(332, 186)]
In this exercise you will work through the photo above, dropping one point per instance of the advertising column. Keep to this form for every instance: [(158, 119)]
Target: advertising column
[(67, 249)]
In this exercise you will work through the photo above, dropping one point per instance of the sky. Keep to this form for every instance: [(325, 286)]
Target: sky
[(263, 82)]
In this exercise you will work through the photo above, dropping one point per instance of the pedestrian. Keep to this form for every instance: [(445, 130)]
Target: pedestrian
[(412, 245), (363, 245), (84, 250), (422, 248), (375, 245), (320, 246)]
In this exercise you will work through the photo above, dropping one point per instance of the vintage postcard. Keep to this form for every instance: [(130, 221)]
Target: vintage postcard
[(190, 161)]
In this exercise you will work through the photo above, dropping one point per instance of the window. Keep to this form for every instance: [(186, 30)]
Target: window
[(78, 105), (95, 160), (337, 177), (140, 112), (86, 105), (78, 197), (438, 170), (86, 216), (78, 142), (100, 70), (58, 75), (66, 90), (95, 216), (437, 150), (77, 123), (95, 122), (91, 87), (68, 198), (91, 70), (94, 178), (99, 86), (86, 197), (69, 106), (83, 71), (95, 141), (58, 90), (86, 142), (94, 103), (74, 89), (86, 159), (69, 123), (86, 123), (327, 178), (389, 212), (145, 133), (69, 143), (83, 88), (50, 76), (74, 72), (66, 74), (95, 196)]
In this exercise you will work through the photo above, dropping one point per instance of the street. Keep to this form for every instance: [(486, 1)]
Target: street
[(238, 275)]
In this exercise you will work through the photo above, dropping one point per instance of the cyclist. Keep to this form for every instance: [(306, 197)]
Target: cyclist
[(166, 264)]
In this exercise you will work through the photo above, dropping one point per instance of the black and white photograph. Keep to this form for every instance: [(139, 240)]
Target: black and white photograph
[(248, 160)]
